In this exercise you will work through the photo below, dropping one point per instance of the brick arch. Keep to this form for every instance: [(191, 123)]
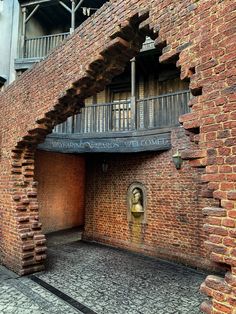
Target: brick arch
[(193, 33), (123, 45)]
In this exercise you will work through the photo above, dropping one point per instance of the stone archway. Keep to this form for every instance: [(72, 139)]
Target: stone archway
[(205, 46)]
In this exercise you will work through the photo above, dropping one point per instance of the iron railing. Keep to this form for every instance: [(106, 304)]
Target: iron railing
[(149, 113)]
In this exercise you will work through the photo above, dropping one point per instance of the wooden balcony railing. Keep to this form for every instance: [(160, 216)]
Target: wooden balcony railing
[(161, 111), (39, 47), (149, 113)]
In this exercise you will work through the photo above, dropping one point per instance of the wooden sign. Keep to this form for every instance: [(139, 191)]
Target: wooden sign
[(126, 142)]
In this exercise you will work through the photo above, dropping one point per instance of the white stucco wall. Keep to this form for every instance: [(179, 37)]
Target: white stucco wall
[(9, 23)]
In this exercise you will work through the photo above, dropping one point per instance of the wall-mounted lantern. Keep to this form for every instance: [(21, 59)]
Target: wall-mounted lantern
[(177, 160)]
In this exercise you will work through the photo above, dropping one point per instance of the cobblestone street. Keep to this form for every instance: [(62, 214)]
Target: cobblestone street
[(89, 278)]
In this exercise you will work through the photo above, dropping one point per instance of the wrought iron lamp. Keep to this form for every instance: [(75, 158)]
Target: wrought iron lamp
[(177, 160)]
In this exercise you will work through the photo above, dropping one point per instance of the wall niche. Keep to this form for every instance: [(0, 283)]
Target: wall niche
[(137, 203)]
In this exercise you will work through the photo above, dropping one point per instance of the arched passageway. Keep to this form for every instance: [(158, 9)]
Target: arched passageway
[(191, 30), (144, 118)]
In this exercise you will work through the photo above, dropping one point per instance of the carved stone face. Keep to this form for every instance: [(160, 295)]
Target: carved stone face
[(136, 200), (137, 197)]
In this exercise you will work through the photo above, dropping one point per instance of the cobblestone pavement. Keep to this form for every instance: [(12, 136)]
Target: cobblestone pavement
[(105, 280), (20, 295)]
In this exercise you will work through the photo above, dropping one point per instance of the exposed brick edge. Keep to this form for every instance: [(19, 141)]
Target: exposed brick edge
[(220, 222), (191, 123), (124, 45)]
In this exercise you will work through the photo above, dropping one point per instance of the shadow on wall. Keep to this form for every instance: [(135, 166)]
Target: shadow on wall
[(61, 190)]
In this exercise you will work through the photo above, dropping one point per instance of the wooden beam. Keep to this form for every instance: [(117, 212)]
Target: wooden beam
[(24, 12), (32, 13), (33, 3), (131, 142), (133, 77), (79, 5), (65, 6), (72, 27), (133, 93)]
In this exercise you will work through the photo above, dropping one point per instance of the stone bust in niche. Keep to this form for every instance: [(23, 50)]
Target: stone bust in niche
[(137, 202)]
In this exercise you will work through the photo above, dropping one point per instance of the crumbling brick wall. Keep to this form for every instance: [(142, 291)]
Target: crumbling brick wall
[(200, 37)]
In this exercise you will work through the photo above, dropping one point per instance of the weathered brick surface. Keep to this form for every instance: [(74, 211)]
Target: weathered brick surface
[(174, 226), (199, 35), (61, 190)]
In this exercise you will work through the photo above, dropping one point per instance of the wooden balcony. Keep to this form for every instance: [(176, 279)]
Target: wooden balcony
[(124, 126), (37, 48)]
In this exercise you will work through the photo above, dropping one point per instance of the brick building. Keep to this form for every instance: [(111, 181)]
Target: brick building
[(115, 133)]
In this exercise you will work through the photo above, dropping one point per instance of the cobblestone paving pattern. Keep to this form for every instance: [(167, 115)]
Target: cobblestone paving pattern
[(23, 296), (111, 281)]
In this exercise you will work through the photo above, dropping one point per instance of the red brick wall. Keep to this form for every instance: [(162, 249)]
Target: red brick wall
[(174, 226), (200, 36), (61, 190)]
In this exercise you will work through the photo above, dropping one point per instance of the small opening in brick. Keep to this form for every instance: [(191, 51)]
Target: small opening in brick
[(173, 59), (159, 45), (194, 130), (153, 35), (192, 71), (223, 268), (196, 91)]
